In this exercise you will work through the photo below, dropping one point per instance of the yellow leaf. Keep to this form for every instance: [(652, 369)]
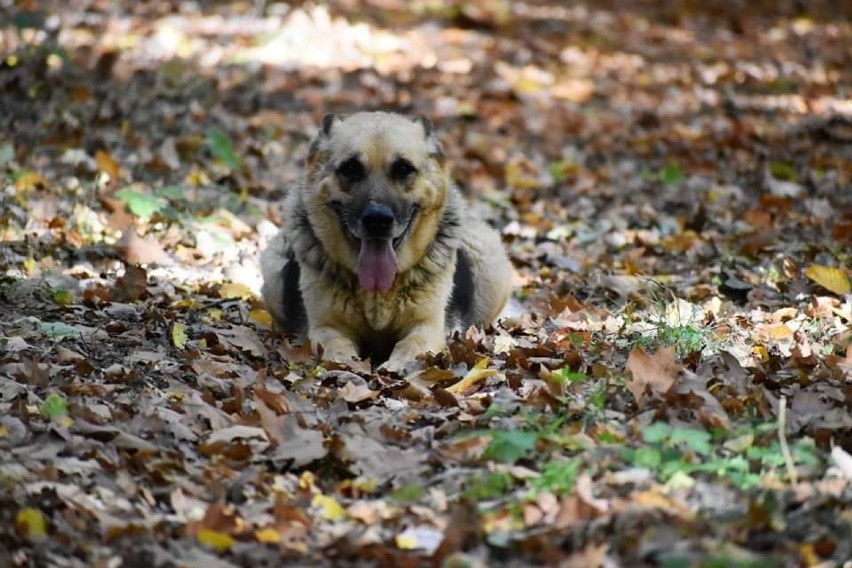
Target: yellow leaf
[(761, 353), (406, 541), (179, 337), (65, 421), (215, 314), (307, 481), (218, 541), (330, 508), (28, 181), (31, 523), (106, 164), (474, 376), (521, 173), (262, 317), (3, 431), (30, 265), (831, 278), (197, 178), (773, 332), (234, 290), (268, 536)]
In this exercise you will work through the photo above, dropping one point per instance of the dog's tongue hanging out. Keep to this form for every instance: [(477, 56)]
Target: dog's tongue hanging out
[(376, 265)]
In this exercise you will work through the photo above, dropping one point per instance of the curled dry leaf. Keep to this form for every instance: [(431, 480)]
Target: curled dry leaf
[(473, 377)]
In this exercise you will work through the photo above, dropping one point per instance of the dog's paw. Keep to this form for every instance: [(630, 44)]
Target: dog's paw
[(337, 351), (401, 360)]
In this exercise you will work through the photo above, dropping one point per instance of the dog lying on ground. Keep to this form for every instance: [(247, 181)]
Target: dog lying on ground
[(378, 255)]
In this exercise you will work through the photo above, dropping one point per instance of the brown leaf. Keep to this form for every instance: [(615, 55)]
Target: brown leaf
[(107, 165), (130, 287), (371, 456), (136, 250), (241, 337), (657, 372), (592, 556), (293, 443), (355, 389)]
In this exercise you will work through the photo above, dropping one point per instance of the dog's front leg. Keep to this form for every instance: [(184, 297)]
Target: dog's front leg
[(427, 336), (335, 345)]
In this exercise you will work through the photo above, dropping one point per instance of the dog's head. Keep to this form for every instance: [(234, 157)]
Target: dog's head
[(375, 188)]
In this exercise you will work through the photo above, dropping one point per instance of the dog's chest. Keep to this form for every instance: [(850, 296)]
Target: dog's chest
[(378, 311)]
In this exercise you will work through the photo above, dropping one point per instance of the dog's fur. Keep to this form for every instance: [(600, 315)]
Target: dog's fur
[(451, 270)]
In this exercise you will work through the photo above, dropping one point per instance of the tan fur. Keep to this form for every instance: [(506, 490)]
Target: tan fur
[(414, 315)]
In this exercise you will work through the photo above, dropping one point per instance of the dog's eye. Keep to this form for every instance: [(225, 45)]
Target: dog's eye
[(352, 170), (401, 169)]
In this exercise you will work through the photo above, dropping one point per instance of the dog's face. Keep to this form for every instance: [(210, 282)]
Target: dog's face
[(375, 188)]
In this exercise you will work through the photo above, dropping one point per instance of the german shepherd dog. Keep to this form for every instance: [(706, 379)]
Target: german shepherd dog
[(378, 255)]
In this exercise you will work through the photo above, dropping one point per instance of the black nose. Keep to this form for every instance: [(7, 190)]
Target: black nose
[(377, 220)]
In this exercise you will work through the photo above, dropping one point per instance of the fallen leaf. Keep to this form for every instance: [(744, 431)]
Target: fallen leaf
[(131, 286), (218, 541), (831, 278), (31, 524), (473, 377), (268, 536), (241, 338), (330, 509), (293, 443), (54, 406), (843, 460), (356, 389), (107, 164), (592, 556), (426, 539), (657, 372), (262, 317), (179, 337), (235, 290), (136, 250)]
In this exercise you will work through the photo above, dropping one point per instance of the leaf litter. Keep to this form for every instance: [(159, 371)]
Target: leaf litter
[(669, 386)]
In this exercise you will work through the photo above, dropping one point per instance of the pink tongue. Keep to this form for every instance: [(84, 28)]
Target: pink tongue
[(376, 265)]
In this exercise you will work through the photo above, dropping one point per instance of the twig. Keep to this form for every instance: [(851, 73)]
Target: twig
[(782, 440)]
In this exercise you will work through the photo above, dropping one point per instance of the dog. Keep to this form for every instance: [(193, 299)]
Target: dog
[(379, 254)]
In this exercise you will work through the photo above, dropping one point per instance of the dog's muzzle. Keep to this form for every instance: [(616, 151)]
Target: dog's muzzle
[(377, 221)]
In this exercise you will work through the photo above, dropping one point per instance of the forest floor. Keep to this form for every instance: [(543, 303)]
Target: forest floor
[(672, 385)]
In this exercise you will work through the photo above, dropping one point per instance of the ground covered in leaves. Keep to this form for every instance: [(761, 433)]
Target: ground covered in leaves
[(672, 385)]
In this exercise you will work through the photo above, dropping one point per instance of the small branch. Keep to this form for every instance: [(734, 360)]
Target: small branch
[(782, 440)]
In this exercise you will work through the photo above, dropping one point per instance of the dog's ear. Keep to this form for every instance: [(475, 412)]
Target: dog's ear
[(320, 141), (328, 121), (434, 145)]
